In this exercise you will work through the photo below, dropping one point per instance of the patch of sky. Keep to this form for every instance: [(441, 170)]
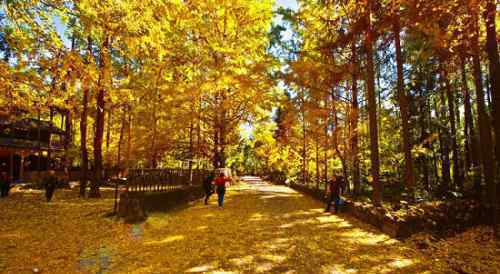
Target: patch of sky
[(61, 31), (287, 33), (291, 4)]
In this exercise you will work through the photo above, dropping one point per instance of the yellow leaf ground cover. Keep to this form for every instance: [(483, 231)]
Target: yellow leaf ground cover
[(262, 229)]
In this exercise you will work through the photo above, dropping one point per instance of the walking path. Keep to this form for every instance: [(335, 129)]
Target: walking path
[(263, 228)]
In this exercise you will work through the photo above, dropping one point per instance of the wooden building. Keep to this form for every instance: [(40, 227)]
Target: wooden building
[(29, 147)]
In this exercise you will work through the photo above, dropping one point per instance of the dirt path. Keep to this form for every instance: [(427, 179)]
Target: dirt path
[(262, 229), (270, 229)]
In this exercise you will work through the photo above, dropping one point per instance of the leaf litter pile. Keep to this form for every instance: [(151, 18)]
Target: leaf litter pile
[(262, 229)]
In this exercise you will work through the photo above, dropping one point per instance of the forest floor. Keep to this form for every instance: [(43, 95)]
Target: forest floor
[(262, 229)]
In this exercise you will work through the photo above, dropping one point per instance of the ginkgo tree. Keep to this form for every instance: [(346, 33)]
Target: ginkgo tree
[(409, 91), (159, 82)]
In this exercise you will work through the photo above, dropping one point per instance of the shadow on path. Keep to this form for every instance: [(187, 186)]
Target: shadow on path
[(266, 229)]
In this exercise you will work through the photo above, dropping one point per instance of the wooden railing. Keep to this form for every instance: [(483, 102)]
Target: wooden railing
[(159, 180)]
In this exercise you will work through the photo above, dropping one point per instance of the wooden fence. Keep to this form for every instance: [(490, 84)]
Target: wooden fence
[(160, 180)]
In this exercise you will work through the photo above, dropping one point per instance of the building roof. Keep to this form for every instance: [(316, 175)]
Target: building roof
[(31, 124)]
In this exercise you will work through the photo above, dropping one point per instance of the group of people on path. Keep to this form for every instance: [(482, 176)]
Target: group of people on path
[(219, 183), (335, 188)]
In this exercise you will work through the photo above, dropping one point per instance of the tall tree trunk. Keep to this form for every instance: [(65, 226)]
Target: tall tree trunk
[(354, 120), (304, 140), (223, 132), (198, 151), (471, 142), (325, 148), (318, 176), (444, 140), (156, 101), (191, 150), (108, 134), (372, 111), (83, 127), (494, 69), (129, 139), (67, 143), (404, 109), (424, 135), (103, 82), (51, 119), (432, 128), (120, 140), (457, 180), (483, 117), (216, 160), (152, 163)]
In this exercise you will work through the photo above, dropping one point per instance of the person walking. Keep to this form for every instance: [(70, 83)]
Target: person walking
[(220, 183), (4, 184), (334, 189), (208, 187), (50, 184)]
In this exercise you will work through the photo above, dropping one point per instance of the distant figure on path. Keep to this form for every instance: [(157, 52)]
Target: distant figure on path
[(335, 187), (4, 184), (220, 183), (50, 184), (208, 187)]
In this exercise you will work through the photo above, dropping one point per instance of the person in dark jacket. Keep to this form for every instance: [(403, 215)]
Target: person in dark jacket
[(4, 184), (208, 187), (50, 184), (334, 190)]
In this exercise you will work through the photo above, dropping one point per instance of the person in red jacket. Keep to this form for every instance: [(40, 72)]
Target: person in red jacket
[(220, 183)]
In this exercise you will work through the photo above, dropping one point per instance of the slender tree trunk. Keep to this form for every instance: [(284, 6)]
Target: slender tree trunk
[(444, 139), (103, 82), (191, 150), (51, 119), (471, 142), (83, 128), (216, 160), (424, 135), (494, 69), (325, 150), (108, 135), (325, 159), (120, 140), (222, 144), (223, 132), (345, 157), (318, 176), (404, 109), (468, 124), (458, 181), (304, 141), (129, 140), (335, 122), (67, 144), (152, 163), (354, 121), (434, 128), (372, 112), (198, 152), (483, 117)]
